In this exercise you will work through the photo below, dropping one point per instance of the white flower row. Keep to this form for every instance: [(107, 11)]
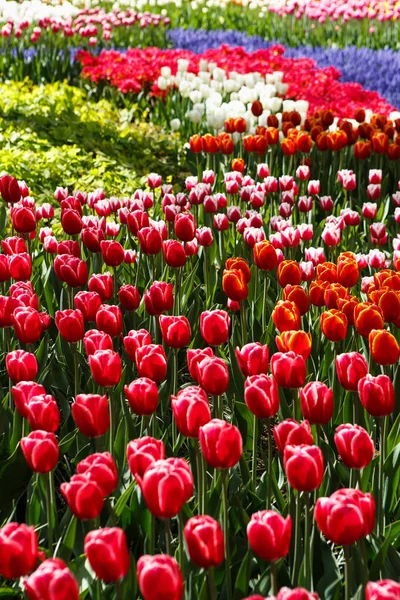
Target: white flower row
[(33, 10)]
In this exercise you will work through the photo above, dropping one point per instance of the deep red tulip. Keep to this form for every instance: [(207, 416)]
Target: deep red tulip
[(84, 496), (88, 303), (109, 319), (304, 466), (142, 395), (150, 240), (43, 413), (107, 552), (194, 357), (143, 452), (346, 516), (377, 395), (289, 369), (158, 298), (106, 367), (112, 252), (91, 238), (71, 270), (20, 266), (151, 362), (97, 340), (23, 392), (214, 327), (253, 359), (221, 444), (175, 331), (166, 485), (174, 253), (27, 324), (4, 268), (52, 580), (13, 245), (129, 297), (91, 414), (159, 577), (71, 221), (261, 395), (134, 340), (213, 375), (70, 324), (350, 368), (19, 550), (290, 432), (21, 366), (386, 589), (9, 189), (354, 445), (191, 410), (136, 220), (40, 449), (316, 401), (102, 284), (23, 219), (205, 541), (101, 468), (68, 247), (269, 535), (184, 226)]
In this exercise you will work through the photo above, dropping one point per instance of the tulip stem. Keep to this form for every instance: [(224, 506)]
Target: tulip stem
[(212, 590), (269, 474), (119, 591), (167, 529), (264, 305), (381, 510), (226, 536), (243, 322), (110, 408), (181, 548), (199, 470), (76, 370), (296, 540), (346, 551), (47, 479), (254, 457), (99, 589), (307, 544), (274, 579), (174, 391)]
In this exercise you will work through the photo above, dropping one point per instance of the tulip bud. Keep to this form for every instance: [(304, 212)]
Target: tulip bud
[(221, 444), (214, 327), (91, 414), (205, 541), (354, 445), (269, 535), (304, 466)]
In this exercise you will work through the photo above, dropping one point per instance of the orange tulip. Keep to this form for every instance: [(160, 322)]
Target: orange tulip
[(289, 273), (383, 347), (334, 325), (327, 271), (298, 295), (234, 284), (367, 316), (347, 305), (286, 316), (389, 301), (265, 256), (316, 292), (237, 262), (347, 271), (333, 292), (295, 341), (387, 278)]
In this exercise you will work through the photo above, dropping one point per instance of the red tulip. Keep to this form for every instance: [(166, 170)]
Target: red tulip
[(150, 240), (354, 445), (213, 375), (304, 466), (19, 550), (142, 395), (40, 449), (129, 297), (106, 367), (102, 284), (269, 535), (27, 324), (214, 327), (107, 552), (91, 238), (88, 303), (151, 362), (134, 340), (20, 266), (23, 392), (158, 298), (109, 319), (13, 245), (184, 226), (43, 413), (316, 401), (261, 395), (143, 452), (205, 541), (174, 253), (346, 516), (175, 331), (21, 366), (159, 577), (52, 580), (221, 444), (4, 268), (191, 410), (70, 324), (166, 486), (101, 468), (23, 219), (97, 340), (377, 395), (91, 414), (289, 369), (71, 221), (84, 497), (112, 252), (295, 594), (194, 357), (71, 270), (386, 589), (253, 359), (350, 368), (9, 189), (290, 432)]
